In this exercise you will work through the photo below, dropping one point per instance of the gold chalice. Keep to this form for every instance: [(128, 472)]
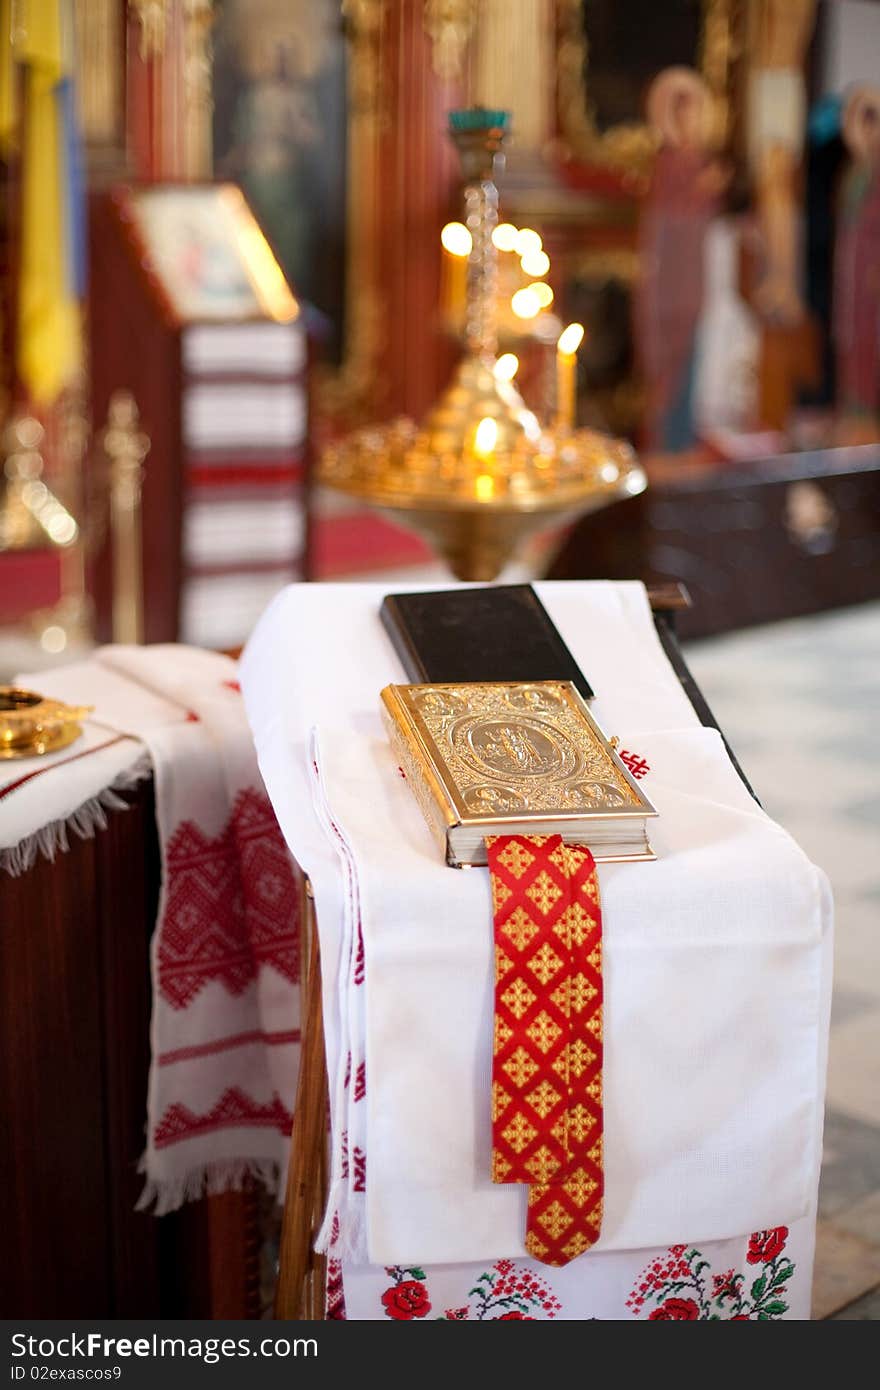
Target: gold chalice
[(31, 725)]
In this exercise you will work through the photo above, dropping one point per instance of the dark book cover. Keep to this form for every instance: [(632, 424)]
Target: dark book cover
[(501, 632)]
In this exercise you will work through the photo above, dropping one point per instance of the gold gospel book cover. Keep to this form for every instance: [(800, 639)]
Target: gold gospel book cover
[(506, 758)]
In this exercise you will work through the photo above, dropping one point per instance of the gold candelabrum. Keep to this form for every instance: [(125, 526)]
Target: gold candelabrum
[(73, 520), (34, 516), (482, 473)]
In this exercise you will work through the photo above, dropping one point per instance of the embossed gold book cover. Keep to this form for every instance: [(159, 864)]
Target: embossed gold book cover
[(513, 758)]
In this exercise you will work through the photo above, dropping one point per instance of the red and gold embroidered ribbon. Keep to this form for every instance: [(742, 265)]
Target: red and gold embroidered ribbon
[(547, 1054)]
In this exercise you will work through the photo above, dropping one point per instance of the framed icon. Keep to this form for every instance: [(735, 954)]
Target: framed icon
[(209, 254)]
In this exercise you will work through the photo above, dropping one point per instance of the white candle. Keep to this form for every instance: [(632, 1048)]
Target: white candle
[(567, 346)]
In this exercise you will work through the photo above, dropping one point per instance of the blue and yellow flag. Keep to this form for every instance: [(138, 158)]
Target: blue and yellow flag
[(52, 255)]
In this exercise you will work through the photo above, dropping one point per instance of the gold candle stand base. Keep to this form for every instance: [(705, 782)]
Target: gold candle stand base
[(476, 507)]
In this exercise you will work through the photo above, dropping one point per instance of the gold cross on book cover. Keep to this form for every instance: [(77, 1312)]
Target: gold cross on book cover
[(507, 758)]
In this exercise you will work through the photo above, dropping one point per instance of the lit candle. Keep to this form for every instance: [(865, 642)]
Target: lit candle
[(484, 487), (528, 241), (569, 341), (485, 437), (542, 293), (526, 304), (506, 367), (506, 236), (457, 243), (535, 264)]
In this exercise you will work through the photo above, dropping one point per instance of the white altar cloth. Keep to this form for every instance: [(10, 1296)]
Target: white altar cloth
[(713, 971), (320, 657)]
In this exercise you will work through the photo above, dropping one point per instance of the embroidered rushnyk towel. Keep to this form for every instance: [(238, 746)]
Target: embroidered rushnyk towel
[(716, 957), (225, 952), (765, 1276)]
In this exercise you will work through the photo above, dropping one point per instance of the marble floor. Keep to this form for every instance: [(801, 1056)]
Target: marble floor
[(800, 705)]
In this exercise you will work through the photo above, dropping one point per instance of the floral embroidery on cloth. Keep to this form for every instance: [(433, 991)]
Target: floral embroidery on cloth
[(681, 1287), (407, 1298), (508, 1292), (678, 1285)]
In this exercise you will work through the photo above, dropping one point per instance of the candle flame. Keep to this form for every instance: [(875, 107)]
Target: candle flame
[(486, 436), (535, 263), (525, 303), (505, 236), (484, 486), (570, 339), (456, 239), (506, 367), (527, 241)]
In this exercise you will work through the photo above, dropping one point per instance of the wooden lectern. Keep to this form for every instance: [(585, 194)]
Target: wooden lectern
[(191, 314)]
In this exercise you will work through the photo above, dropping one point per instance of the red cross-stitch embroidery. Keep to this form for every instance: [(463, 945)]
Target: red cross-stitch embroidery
[(359, 963), (231, 904), (233, 1109), (343, 1154), (679, 1286), (407, 1298), (335, 1292), (508, 1292), (636, 764)]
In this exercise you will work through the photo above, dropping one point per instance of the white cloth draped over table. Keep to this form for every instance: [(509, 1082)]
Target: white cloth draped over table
[(225, 955), (45, 801), (717, 969), (712, 963)]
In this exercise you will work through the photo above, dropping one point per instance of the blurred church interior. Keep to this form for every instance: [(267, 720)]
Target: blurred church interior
[(232, 235), (699, 192)]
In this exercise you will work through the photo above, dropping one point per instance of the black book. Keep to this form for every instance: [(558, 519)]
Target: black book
[(499, 633)]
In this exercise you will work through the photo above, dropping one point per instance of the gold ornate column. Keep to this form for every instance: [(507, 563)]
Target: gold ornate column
[(152, 17), (450, 25), (171, 88), (74, 613), (126, 449), (100, 85), (198, 17), (514, 65), (354, 384), (780, 33)]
